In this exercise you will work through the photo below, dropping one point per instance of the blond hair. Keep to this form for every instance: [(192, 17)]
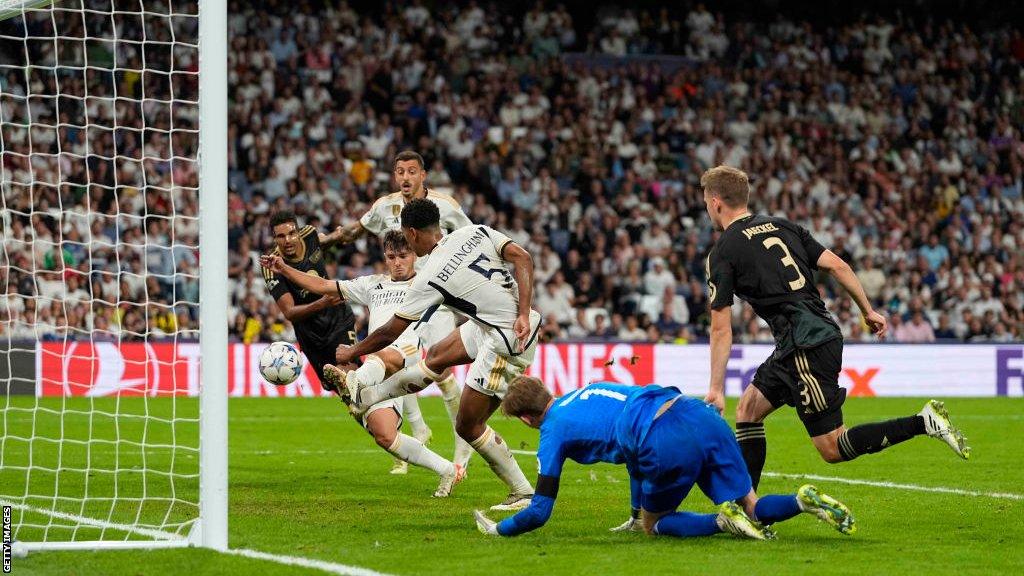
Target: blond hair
[(730, 184), (526, 396)]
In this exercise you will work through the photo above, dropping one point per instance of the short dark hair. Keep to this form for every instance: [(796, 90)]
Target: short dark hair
[(283, 217), (526, 396), (395, 240), (406, 155), (421, 214)]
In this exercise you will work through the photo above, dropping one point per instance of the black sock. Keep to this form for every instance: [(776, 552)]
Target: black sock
[(877, 436), (754, 447)]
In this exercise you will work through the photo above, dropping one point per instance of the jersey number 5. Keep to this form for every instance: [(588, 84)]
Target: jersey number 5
[(488, 272), (787, 260)]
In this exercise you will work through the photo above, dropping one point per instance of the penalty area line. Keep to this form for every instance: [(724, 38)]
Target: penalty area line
[(875, 483)]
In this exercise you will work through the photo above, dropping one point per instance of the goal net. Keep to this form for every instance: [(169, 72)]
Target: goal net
[(102, 215)]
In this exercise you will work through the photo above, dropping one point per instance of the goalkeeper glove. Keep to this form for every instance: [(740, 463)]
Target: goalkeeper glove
[(485, 525), (631, 525)]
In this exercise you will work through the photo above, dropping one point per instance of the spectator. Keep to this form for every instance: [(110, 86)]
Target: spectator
[(658, 278), (916, 331), (632, 330)]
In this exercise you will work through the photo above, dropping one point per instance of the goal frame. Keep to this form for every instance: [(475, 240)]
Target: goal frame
[(210, 529)]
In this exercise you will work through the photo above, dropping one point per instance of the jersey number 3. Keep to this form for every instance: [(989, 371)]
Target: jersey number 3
[(787, 260)]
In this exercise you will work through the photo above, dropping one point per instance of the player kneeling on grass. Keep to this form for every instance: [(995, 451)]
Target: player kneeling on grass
[(669, 442), (382, 294)]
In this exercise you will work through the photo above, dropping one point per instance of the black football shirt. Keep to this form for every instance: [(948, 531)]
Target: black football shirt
[(770, 263), (328, 328)]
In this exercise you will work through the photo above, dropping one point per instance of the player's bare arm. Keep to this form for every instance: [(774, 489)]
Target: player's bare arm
[(334, 237), (305, 281), (286, 303), (721, 344), (348, 234), (377, 340), (844, 274), (297, 312), (523, 273)]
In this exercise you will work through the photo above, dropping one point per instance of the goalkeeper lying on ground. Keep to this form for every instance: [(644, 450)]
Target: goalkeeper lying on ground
[(669, 442)]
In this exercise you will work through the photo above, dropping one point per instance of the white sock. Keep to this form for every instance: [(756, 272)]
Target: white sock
[(414, 416), (495, 451), (413, 451), (371, 373), (405, 381), (451, 392)]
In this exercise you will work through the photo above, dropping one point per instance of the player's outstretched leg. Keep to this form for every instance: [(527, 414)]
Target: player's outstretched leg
[(414, 452), (825, 508), (767, 510), (730, 518), (414, 416), (406, 381), (937, 425), (451, 393), (448, 481), (932, 420), (382, 422), (339, 380), (495, 451), (474, 410), (420, 431)]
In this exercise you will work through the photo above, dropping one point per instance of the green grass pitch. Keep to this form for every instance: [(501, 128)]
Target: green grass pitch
[(307, 481)]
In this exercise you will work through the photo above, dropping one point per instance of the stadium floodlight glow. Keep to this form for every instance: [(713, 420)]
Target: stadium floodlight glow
[(113, 180)]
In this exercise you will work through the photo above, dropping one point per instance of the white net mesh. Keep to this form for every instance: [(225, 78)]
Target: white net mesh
[(99, 191)]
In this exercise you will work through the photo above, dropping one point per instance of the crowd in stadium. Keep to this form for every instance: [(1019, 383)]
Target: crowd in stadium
[(896, 143), (100, 179)]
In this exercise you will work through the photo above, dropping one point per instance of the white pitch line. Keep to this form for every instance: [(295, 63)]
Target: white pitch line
[(912, 487), (93, 522), (876, 483), (313, 564), (329, 567)]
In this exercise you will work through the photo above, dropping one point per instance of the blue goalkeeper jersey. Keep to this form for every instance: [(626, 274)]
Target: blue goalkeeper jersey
[(602, 422)]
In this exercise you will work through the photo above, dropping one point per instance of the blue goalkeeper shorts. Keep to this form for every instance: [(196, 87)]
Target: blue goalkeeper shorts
[(690, 444)]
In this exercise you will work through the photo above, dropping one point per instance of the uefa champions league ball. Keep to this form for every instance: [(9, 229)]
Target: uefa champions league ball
[(280, 363)]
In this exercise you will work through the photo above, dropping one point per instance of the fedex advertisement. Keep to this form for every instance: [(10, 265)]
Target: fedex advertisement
[(160, 369)]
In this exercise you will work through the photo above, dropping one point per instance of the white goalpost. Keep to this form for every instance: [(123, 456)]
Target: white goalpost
[(113, 316)]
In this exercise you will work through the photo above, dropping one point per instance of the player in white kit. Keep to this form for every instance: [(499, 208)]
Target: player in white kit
[(382, 294), (385, 215), (467, 271)]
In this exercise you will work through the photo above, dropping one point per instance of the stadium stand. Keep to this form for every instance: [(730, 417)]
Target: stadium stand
[(895, 142)]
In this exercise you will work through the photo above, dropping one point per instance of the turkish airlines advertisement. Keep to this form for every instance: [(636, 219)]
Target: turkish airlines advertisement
[(162, 369)]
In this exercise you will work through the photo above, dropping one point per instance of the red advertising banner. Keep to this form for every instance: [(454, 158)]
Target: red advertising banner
[(110, 369), (161, 369)]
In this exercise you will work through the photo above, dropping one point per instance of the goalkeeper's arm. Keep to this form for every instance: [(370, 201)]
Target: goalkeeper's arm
[(537, 513)]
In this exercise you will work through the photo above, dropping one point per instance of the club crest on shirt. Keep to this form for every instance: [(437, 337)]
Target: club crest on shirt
[(316, 256)]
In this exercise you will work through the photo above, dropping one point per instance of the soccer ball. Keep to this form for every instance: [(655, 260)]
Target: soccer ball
[(280, 363)]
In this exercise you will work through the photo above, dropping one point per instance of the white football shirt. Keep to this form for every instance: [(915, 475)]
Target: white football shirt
[(386, 213), (465, 272), (378, 292)]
